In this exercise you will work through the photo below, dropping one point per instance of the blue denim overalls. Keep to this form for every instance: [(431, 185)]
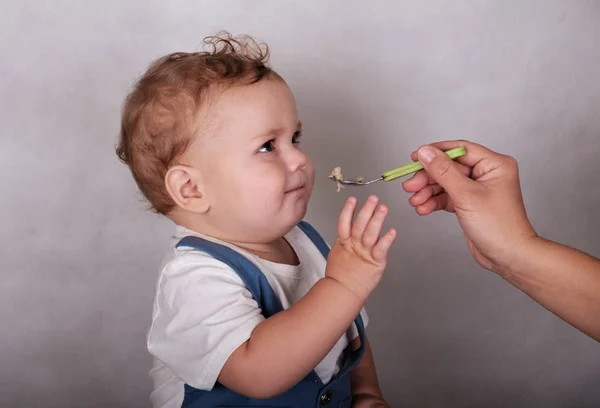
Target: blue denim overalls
[(309, 392)]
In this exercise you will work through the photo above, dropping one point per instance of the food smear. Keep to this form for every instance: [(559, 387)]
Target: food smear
[(336, 174)]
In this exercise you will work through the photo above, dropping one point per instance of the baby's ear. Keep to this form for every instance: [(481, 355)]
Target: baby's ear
[(185, 187)]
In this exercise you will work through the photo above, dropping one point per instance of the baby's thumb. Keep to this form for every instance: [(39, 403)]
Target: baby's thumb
[(440, 168)]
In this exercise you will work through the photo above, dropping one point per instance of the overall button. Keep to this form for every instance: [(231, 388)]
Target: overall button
[(325, 398)]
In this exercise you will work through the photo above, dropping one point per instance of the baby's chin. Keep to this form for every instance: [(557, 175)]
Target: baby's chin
[(296, 213), (279, 219), (299, 204)]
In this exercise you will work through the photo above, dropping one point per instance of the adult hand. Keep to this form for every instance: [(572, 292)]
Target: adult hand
[(482, 188)]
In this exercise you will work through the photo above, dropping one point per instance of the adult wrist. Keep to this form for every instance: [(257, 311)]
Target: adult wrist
[(518, 260)]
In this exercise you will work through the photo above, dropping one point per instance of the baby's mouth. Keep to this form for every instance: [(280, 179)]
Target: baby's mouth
[(296, 188)]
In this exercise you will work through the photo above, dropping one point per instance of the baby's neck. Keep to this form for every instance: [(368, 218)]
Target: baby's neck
[(277, 250)]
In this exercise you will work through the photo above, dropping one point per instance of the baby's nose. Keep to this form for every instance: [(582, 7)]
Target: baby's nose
[(296, 159)]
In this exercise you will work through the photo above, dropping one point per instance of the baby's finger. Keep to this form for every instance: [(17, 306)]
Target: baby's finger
[(374, 227), (363, 218), (437, 203), (380, 250), (345, 219), (421, 197)]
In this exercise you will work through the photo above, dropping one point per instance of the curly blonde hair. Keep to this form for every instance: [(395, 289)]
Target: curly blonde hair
[(159, 116)]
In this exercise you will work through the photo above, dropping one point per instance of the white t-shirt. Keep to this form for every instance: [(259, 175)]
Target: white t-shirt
[(203, 313)]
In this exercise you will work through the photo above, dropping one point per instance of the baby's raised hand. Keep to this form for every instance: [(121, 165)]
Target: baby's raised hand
[(359, 256)]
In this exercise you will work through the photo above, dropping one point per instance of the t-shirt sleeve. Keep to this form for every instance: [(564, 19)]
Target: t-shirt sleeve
[(203, 313)]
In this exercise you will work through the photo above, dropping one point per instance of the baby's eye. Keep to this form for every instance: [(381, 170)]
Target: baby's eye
[(296, 137), (267, 147)]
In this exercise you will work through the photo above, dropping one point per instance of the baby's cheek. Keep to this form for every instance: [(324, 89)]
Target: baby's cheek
[(310, 177), (262, 197)]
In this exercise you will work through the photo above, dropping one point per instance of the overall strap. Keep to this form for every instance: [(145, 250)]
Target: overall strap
[(253, 278), (315, 237)]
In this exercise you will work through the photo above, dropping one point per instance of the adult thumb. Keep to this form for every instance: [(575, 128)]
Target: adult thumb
[(440, 168)]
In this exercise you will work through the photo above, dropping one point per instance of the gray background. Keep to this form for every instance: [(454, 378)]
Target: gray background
[(373, 81)]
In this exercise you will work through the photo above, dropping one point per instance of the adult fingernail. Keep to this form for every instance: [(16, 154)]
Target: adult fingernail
[(426, 154)]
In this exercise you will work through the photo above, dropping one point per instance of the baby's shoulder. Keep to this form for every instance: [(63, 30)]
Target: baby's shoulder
[(184, 259), (184, 267)]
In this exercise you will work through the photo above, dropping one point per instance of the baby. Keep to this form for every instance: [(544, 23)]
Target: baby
[(251, 308)]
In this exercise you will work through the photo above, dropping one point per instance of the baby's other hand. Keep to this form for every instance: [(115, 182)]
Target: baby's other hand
[(359, 256)]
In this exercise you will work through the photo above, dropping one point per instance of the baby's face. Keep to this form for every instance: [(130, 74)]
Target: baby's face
[(256, 177)]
